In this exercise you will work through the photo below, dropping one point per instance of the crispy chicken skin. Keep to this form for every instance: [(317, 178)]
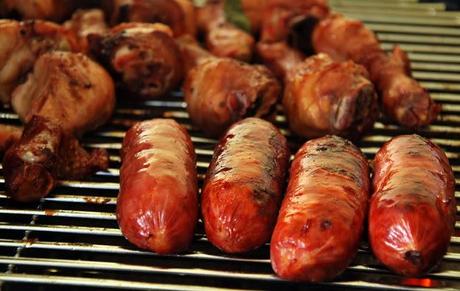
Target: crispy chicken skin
[(192, 53), (279, 57), (9, 134), (280, 17), (223, 39), (53, 10), (44, 154), (86, 22), (177, 14), (221, 91), (403, 99), (69, 89), (144, 57), (326, 97), (21, 43)]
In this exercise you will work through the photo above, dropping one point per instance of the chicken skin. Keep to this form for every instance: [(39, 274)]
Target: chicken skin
[(222, 91), (86, 22), (53, 10), (43, 154), (223, 39), (179, 15), (9, 134), (281, 16), (322, 96), (325, 97), (69, 89), (21, 43), (143, 56), (403, 99)]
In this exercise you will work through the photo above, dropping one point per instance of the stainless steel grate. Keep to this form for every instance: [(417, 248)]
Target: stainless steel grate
[(72, 238)]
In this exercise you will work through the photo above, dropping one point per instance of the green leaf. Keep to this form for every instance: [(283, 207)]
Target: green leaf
[(197, 3), (235, 14)]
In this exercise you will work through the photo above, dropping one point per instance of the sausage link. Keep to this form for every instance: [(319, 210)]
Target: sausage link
[(242, 191), (157, 206), (412, 210), (321, 218)]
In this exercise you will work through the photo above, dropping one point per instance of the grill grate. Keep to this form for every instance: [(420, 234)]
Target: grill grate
[(72, 238)]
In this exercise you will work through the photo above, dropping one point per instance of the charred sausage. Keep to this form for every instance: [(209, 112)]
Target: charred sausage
[(242, 190), (412, 210), (157, 205), (322, 215)]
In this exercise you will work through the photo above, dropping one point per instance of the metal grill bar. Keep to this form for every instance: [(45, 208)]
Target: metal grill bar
[(71, 237)]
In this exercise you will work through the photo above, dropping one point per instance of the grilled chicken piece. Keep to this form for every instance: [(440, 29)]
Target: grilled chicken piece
[(144, 57), (69, 89), (177, 14), (404, 100), (21, 43), (279, 57), (8, 135), (192, 53), (45, 153), (222, 91), (54, 10), (325, 97), (86, 22), (223, 39), (322, 96), (280, 17)]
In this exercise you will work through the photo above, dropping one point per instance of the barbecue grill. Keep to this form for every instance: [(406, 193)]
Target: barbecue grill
[(71, 237)]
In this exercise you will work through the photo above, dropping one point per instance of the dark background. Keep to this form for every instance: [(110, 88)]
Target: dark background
[(451, 4)]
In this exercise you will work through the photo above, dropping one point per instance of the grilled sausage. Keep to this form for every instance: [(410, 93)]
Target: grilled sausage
[(157, 207), (321, 218), (242, 190), (412, 210)]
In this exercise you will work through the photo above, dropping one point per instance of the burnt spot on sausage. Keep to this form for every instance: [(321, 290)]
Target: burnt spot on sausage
[(414, 257), (306, 226), (321, 149), (325, 224)]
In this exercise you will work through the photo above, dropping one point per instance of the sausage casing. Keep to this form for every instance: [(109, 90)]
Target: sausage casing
[(157, 206), (412, 210), (243, 186), (322, 215)]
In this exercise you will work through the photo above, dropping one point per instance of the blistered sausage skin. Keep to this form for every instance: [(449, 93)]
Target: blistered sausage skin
[(157, 206), (243, 186), (322, 215), (412, 210)]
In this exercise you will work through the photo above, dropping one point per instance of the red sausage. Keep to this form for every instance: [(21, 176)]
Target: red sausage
[(412, 211), (243, 186), (321, 218), (157, 205)]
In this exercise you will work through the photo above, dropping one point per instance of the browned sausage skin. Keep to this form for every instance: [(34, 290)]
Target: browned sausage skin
[(242, 191), (157, 207), (412, 210), (321, 219)]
